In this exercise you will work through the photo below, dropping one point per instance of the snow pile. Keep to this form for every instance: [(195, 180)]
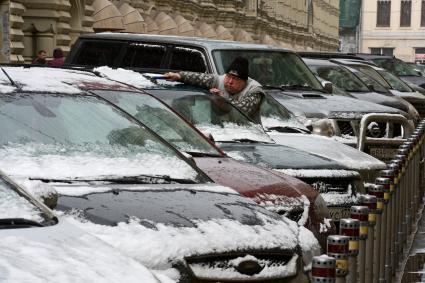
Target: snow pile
[(341, 199), (14, 206), (324, 173), (37, 189), (67, 259), (81, 189), (325, 225), (310, 247), (53, 79), (125, 76), (60, 161), (230, 132), (274, 121), (162, 246)]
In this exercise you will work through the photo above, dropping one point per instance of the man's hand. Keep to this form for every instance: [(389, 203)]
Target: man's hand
[(174, 77), (216, 91)]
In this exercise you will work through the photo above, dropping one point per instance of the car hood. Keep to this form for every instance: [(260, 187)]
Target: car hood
[(163, 225), (417, 80), (250, 180), (329, 148), (328, 106), (385, 100), (277, 156), (43, 254), (411, 96)]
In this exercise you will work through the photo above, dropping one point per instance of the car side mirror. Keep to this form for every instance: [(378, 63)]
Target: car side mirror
[(328, 87), (371, 87)]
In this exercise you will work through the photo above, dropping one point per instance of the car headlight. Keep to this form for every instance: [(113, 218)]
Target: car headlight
[(321, 127)]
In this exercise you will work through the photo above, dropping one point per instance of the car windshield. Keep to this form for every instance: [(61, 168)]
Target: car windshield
[(395, 82), (341, 77), (17, 211), (214, 115), (161, 120), (270, 68), (276, 117), (397, 67), (83, 134), (373, 74), (377, 87)]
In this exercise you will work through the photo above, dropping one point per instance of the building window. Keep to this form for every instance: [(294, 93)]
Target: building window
[(423, 14), (383, 14), (382, 51), (405, 13)]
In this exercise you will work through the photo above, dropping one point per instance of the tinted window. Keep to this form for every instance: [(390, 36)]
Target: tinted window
[(98, 53), (188, 59), (142, 55)]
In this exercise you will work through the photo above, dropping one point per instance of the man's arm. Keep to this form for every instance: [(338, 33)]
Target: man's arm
[(249, 103), (199, 79)]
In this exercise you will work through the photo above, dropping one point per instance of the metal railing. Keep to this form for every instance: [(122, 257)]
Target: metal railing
[(373, 244)]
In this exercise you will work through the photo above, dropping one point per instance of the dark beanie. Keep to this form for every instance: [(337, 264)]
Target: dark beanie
[(239, 68)]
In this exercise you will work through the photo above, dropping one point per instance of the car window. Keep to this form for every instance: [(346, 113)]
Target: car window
[(270, 68), (161, 119), (395, 82), (377, 87), (188, 59), (98, 53), (373, 74), (341, 77), (143, 55), (396, 67)]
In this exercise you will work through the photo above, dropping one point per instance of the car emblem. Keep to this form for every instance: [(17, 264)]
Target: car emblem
[(249, 267)]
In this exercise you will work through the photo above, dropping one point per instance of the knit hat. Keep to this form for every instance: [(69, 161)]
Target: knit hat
[(239, 68)]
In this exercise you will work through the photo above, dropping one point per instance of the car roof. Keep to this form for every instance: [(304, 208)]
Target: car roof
[(53, 80), (318, 62), (198, 41), (328, 55)]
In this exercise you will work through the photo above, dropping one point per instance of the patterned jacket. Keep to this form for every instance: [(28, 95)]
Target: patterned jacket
[(248, 100)]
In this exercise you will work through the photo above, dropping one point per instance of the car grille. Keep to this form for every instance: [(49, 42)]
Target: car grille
[(243, 267), (345, 128)]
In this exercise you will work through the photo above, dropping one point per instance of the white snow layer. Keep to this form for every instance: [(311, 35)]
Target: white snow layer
[(126, 76), (329, 148), (52, 79), (325, 173), (68, 259), (14, 206), (58, 162), (159, 248), (231, 132)]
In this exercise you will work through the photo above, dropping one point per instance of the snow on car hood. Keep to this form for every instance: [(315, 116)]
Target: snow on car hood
[(329, 148), (125, 76), (56, 161), (162, 246), (231, 132), (278, 156), (64, 253), (330, 106)]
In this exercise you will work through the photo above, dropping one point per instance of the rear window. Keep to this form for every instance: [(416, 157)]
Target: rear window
[(188, 59), (98, 53), (142, 55)]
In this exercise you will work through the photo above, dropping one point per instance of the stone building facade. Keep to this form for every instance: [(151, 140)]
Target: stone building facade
[(31, 25)]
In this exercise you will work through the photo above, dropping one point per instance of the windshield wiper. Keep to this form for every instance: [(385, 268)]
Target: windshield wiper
[(288, 129), (137, 179), (12, 223), (202, 154), (300, 87)]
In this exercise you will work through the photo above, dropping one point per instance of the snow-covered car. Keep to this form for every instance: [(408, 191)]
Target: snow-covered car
[(37, 246), (273, 190), (126, 185)]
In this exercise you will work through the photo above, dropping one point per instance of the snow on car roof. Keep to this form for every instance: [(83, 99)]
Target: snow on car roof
[(126, 76), (55, 80)]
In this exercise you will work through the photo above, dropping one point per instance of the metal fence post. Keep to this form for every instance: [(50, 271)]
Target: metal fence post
[(385, 239), (338, 249), (351, 228), (323, 269), (378, 192), (370, 202), (361, 213)]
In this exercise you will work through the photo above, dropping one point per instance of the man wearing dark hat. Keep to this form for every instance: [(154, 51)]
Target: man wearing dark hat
[(242, 91)]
